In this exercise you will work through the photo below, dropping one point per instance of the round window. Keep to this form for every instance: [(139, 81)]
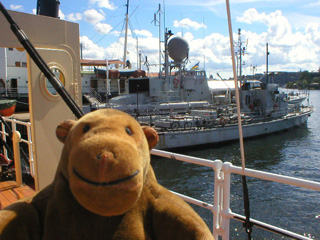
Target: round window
[(58, 73), (46, 87)]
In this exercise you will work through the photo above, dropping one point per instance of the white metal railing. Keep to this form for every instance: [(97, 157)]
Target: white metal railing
[(27, 139), (221, 202), (14, 92), (180, 122), (92, 93)]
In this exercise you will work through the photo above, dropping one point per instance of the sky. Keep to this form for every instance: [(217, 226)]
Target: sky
[(290, 27)]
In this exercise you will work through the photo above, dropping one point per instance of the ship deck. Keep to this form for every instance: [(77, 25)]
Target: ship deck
[(10, 193)]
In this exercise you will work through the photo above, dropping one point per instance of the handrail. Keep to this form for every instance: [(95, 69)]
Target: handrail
[(93, 93), (27, 140), (293, 181), (221, 207), (221, 202), (96, 95)]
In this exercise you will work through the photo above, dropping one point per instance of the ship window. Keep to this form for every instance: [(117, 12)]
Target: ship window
[(17, 64), (47, 90), (10, 49), (59, 75), (247, 99), (24, 64), (138, 85), (2, 85)]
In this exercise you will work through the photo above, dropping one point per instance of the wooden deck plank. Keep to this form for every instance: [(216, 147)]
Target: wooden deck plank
[(10, 196), (9, 193), (25, 191), (7, 184), (3, 201)]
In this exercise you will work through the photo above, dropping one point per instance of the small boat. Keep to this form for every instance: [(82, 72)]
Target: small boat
[(7, 107), (296, 98)]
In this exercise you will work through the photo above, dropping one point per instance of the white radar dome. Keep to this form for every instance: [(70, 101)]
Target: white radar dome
[(178, 49)]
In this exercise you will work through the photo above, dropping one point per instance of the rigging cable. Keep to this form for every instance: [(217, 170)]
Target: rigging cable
[(248, 225), (118, 42)]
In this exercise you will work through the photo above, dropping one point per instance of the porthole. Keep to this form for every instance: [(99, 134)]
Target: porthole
[(46, 87)]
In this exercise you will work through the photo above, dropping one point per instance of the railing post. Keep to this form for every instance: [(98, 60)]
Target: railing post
[(225, 214), (218, 178), (16, 138), (5, 152), (30, 148)]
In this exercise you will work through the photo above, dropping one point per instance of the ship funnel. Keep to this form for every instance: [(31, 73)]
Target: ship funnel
[(178, 49), (48, 8)]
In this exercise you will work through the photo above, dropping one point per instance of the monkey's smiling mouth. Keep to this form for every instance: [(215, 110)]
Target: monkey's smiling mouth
[(104, 183)]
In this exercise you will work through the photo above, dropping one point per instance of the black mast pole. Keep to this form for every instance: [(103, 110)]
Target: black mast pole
[(267, 77)]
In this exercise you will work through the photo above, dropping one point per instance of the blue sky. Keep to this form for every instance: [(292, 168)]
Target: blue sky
[(291, 28)]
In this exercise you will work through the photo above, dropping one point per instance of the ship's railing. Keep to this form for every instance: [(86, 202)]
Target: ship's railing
[(221, 202), (181, 122), (93, 93), (222, 182), (24, 128), (13, 91)]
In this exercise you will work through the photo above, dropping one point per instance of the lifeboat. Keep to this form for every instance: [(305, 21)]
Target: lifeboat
[(7, 107)]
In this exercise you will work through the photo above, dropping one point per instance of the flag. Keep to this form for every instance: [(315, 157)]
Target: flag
[(195, 66)]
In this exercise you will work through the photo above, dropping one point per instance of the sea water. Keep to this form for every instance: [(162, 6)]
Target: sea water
[(295, 152)]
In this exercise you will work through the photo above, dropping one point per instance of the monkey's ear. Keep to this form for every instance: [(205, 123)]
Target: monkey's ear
[(63, 129), (151, 135)]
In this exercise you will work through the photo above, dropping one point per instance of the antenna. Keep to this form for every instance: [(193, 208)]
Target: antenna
[(181, 26), (204, 46), (267, 63), (254, 66), (126, 36), (164, 16), (241, 52), (157, 22)]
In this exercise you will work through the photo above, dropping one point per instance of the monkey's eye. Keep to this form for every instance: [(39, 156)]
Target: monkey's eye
[(86, 128), (128, 131)]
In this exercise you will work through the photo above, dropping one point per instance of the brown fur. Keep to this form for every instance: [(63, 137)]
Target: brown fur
[(104, 188)]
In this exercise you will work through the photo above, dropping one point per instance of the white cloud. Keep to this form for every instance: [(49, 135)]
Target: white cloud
[(103, 28), (188, 23), (143, 33), (251, 15), (93, 16), (188, 36), (74, 17), (16, 7), (116, 33), (61, 15), (103, 4), (313, 29), (215, 48), (290, 49), (91, 50), (313, 4)]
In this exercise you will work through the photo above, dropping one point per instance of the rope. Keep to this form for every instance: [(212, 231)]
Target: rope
[(247, 224)]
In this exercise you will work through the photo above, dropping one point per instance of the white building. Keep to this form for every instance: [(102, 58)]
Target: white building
[(13, 72)]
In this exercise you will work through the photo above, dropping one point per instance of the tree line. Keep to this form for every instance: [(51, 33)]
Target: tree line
[(307, 80)]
